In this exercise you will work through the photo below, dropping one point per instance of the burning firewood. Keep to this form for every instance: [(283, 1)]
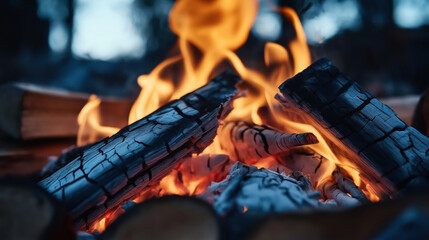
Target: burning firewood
[(259, 191), (171, 217), (30, 112), (332, 191), (346, 184), (306, 161), (118, 168), (248, 143), (29, 212), (389, 153)]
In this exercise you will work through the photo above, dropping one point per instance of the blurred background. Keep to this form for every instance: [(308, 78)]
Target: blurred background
[(102, 46)]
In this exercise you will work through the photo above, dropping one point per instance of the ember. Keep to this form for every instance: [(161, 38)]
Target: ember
[(236, 139)]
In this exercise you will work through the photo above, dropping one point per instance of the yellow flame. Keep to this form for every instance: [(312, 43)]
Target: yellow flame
[(208, 34), (90, 129)]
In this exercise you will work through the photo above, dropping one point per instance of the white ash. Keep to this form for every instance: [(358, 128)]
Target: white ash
[(260, 191)]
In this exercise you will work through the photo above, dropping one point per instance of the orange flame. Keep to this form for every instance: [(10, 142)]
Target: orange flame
[(208, 34)]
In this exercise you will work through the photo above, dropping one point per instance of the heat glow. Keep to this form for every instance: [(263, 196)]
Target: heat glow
[(208, 33)]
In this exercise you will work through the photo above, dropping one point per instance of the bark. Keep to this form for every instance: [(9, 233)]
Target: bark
[(248, 143), (29, 212), (388, 153), (118, 168)]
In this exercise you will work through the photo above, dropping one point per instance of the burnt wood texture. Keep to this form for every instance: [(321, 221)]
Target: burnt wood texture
[(389, 153), (118, 168), (247, 142)]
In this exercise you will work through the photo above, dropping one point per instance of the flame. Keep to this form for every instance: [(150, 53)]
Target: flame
[(208, 34), (90, 129)]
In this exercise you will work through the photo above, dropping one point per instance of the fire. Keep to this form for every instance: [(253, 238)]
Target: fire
[(208, 34)]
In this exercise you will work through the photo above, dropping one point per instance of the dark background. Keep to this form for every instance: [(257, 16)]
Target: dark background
[(382, 44)]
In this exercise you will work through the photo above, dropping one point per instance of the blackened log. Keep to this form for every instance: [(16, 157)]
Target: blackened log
[(29, 212), (116, 169), (248, 143), (171, 217), (389, 153)]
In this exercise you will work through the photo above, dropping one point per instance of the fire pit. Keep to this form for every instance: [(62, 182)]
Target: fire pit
[(218, 148)]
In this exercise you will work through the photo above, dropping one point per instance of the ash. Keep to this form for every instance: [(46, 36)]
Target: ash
[(248, 189)]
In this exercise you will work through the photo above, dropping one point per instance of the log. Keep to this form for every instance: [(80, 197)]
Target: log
[(171, 217), (347, 185), (307, 161), (367, 221), (248, 143), (29, 212), (118, 168), (389, 154), (32, 112), (28, 157), (332, 191), (421, 115)]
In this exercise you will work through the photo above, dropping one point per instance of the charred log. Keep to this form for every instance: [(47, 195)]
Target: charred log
[(248, 143), (389, 153), (116, 169), (171, 217), (29, 212)]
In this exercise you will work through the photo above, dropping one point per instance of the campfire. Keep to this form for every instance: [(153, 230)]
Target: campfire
[(229, 139)]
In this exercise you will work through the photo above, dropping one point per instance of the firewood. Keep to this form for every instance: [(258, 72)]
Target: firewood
[(332, 191), (31, 112), (29, 212), (248, 143), (388, 153), (307, 161), (118, 168), (421, 114), (28, 157), (171, 217), (363, 222), (346, 184)]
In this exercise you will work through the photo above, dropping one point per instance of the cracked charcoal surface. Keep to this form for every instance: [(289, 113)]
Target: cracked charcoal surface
[(116, 169), (398, 153)]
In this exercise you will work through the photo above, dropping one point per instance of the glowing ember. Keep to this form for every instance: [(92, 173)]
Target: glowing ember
[(208, 34)]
